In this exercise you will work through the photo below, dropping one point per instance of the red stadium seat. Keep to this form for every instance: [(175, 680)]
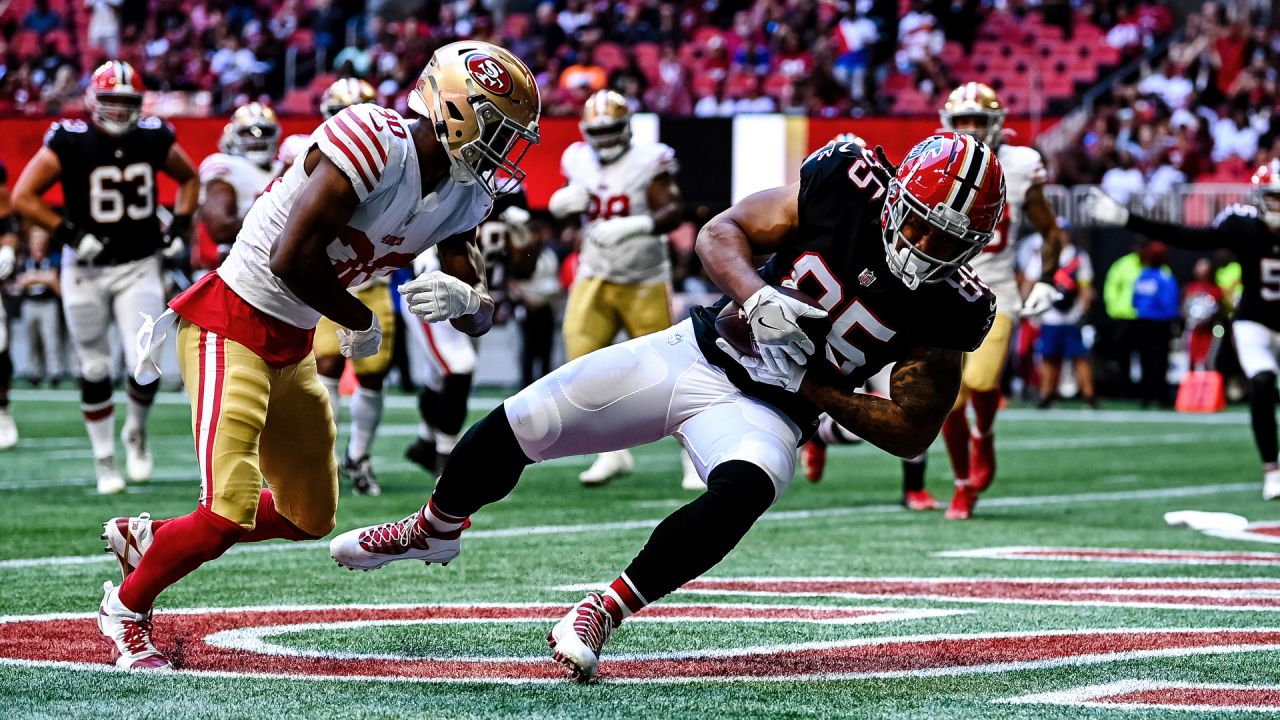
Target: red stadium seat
[(776, 86), (611, 56), (516, 24)]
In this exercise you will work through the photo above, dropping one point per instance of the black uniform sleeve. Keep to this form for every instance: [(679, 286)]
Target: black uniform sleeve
[(161, 137), (971, 313), (825, 186), (59, 140), (1222, 234)]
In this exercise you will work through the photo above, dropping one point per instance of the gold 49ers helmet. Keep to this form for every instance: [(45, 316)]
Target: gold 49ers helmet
[(606, 124), (254, 133), (974, 101), (483, 104), (343, 94)]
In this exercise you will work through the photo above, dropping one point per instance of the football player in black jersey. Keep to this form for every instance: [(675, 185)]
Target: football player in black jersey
[(445, 358), (110, 236), (8, 261), (883, 252), (1252, 233)]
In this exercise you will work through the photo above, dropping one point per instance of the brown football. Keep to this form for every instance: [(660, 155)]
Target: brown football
[(731, 324)]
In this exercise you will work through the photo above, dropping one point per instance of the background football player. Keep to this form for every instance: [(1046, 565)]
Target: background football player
[(974, 109), (1252, 233), (9, 227), (367, 401), (232, 179), (109, 234), (626, 194), (884, 254), (372, 192), (444, 359)]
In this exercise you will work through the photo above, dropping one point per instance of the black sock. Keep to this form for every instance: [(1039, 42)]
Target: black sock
[(691, 540), (913, 473), (484, 467), (429, 406), (1262, 414), (6, 378), (453, 404), (95, 392), (143, 394)]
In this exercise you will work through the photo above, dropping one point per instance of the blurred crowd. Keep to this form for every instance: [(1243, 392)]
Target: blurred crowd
[(714, 57), (1206, 112)]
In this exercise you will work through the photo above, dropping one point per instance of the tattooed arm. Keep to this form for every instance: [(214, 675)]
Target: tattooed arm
[(922, 390)]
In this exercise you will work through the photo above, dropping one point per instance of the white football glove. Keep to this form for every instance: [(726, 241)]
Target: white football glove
[(517, 221), (569, 200), (1106, 210), (8, 260), (88, 248), (1042, 297), (356, 344), (789, 378), (437, 296), (774, 321), (607, 233)]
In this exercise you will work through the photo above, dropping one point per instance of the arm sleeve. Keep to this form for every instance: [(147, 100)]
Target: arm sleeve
[(350, 140), (1207, 238)]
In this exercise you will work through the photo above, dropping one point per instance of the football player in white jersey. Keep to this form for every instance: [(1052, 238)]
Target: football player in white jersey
[(232, 179), (372, 192), (9, 226), (367, 401), (626, 194), (974, 109)]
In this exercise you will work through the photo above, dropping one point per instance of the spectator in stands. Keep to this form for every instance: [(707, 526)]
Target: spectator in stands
[(1124, 178), (104, 26), (329, 25), (1157, 305), (584, 76), (752, 101), (1234, 136), (714, 105), (41, 311), (854, 39), (354, 60), (233, 63), (41, 20), (920, 41)]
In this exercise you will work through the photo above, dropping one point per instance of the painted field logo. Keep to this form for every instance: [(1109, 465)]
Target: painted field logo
[(242, 642)]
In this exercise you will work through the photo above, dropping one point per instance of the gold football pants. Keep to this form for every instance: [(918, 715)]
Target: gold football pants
[(598, 309)]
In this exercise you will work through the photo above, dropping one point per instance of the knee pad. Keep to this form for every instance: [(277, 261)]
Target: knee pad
[(95, 369)]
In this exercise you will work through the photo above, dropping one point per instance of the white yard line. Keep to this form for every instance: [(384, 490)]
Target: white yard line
[(774, 516)]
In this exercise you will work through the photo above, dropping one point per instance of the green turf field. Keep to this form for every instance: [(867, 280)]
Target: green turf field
[(869, 622)]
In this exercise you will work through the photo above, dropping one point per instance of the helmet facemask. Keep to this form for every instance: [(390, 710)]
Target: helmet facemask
[(493, 159), (609, 140), (937, 241), (257, 143), (989, 125), (116, 113), (1269, 203)]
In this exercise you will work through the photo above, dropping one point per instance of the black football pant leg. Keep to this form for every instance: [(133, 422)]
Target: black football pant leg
[(1262, 414), (693, 539)]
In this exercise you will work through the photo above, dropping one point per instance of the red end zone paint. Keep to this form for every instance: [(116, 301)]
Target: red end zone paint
[(1120, 555), (61, 639), (1183, 593), (1161, 695)]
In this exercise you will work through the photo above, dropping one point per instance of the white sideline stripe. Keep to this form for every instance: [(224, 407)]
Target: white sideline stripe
[(408, 402), (1153, 556), (1087, 696), (772, 516)]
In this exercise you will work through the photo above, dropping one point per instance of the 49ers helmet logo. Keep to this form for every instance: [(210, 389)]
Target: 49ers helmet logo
[(490, 73)]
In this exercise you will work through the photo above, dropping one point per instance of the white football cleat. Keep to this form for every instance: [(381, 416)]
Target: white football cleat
[(129, 634), (691, 480), (8, 430), (138, 460), (110, 481), (369, 548), (128, 538), (580, 636), (1271, 485), (608, 465)]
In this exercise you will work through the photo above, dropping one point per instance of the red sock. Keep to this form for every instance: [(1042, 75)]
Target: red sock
[(182, 545), (985, 405), (621, 599), (955, 432), (270, 524)]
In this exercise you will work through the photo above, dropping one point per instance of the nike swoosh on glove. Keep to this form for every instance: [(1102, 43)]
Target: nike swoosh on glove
[(356, 344), (774, 321), (1040, 299), (788, 379), (438, 296), (607, 233)]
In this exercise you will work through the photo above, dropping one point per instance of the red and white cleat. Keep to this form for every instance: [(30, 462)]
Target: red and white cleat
[(129, 634), (982, 460), (813, 457), (580, 636), (128, 538), (962, 503), (920, 500), (369, 548)]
